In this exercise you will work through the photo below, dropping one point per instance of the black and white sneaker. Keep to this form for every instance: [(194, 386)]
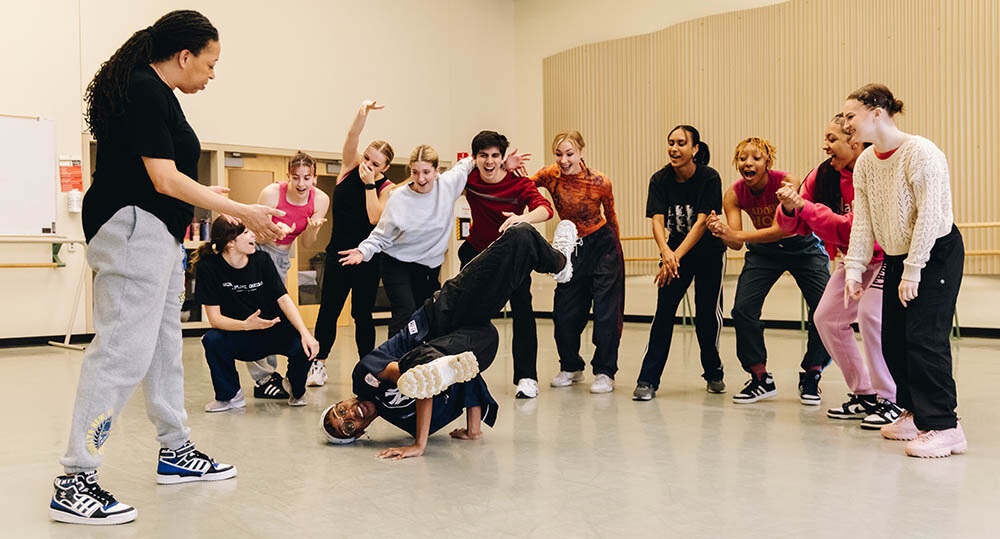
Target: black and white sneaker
[(270, 388), (856, 407), (886, 413), (78, 499), (755, 390), (186, 464), (809, 387)]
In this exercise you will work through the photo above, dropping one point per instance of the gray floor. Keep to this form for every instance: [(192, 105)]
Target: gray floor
[(568, 464)]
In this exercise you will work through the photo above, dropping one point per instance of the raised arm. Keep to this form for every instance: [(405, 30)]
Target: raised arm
[(351, 155)]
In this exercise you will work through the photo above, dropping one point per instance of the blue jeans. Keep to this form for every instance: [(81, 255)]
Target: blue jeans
[(222, 348)]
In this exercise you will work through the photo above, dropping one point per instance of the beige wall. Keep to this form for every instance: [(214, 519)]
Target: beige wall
[(547, 27), (285, 80), (781, 72)]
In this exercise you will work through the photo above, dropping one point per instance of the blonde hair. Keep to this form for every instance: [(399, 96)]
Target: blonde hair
[(302, 159), (384, 148), (424, 153), (573, 136), (762, 144)]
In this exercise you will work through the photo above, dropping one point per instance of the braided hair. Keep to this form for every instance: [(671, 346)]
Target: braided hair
[(176, 31)]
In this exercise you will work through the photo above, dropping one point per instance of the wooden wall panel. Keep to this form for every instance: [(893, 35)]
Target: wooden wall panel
[(781, 72)]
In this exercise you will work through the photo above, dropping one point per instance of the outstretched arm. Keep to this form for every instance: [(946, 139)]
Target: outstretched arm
[(424, 409)]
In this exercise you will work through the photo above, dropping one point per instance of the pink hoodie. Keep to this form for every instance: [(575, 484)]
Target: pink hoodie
[(833, 228)]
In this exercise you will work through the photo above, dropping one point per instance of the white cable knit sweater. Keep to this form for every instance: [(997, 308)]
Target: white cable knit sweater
[(904, 202)]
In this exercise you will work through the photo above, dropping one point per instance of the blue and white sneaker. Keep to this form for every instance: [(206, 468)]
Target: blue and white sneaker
[(78, 499), (565, 241), (186, 464)]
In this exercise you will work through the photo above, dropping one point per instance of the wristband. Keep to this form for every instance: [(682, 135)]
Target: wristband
[(370, 187)]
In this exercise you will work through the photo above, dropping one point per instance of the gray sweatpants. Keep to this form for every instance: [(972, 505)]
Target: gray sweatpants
[(138, 289), (262, 368)]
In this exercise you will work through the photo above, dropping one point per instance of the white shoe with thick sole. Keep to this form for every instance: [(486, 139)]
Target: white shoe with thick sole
[(526, 389), (566, 378), (238, 401), (317, 374), (602, 384), (425, 381), (565, 241)]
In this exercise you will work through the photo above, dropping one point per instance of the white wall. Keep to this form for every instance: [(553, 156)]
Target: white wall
[(546, 27)]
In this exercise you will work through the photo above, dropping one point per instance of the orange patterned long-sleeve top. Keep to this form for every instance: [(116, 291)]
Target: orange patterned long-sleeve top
[(580, 197)]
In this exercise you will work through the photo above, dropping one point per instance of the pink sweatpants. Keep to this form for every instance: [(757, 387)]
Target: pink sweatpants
[(833, 322)]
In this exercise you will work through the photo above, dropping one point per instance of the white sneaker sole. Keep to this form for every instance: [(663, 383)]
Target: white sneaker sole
[(69, 518), (425, 381), (178, 479), (576, 379)]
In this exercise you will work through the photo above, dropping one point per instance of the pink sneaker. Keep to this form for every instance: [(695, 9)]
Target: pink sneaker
[(938, 443), (903, 429)]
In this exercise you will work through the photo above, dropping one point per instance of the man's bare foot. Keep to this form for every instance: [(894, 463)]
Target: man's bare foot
[(464, 434)]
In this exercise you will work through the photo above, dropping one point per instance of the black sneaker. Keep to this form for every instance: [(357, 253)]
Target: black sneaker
[(809, 387), (755, 390), (886, 413), (643, 392), (270, 388), (856, 407), (186, 464), (78, 499)]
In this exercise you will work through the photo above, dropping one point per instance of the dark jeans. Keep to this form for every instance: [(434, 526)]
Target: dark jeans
[(361, 282), (805, 259), (706, 270), (222, 348), (525, 341), (598, 280), (915, 338), (407, 285)]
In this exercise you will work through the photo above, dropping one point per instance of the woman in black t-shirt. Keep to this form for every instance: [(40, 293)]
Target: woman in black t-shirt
[(681, 196), (357, 203), (134, 217), (244, 299)]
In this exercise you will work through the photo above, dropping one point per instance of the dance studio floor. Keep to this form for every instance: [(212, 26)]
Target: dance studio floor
[(567, 464)]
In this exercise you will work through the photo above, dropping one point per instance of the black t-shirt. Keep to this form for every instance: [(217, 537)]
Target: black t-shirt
[(350, 214), (240, 292), (152, 125), (681, 202)]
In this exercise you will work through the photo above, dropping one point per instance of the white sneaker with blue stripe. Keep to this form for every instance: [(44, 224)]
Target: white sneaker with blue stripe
[(186, 464), (78, 499)]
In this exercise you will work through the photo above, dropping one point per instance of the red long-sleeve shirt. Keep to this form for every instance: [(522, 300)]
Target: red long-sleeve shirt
[(580, 197), (488, 201)]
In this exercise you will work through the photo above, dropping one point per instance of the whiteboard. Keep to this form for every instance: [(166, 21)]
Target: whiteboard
[(29, 175)]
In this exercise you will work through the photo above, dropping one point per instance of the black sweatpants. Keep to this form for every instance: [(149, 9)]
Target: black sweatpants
[(598, 280), (705, 267), (916, 338), (408, 285), (361, 281), (525, 340)]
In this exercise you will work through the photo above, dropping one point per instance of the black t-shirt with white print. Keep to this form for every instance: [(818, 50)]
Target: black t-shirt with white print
[(151, 124), (681, 202), (240, 292)]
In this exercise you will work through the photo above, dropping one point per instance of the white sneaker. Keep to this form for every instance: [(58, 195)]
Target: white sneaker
[(565, 241), (221, 406), (602, 384), (317, 374), (425, 381), (301, 401), (526, 389), (565, 378)]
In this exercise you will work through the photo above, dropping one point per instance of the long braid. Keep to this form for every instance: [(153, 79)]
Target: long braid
[(176, 31)]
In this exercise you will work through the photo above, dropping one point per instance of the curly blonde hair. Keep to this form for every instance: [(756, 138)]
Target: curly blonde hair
[(762, 144)]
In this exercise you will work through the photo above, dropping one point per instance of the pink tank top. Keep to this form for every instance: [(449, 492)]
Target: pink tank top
[(297, 215), (760, 206)]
